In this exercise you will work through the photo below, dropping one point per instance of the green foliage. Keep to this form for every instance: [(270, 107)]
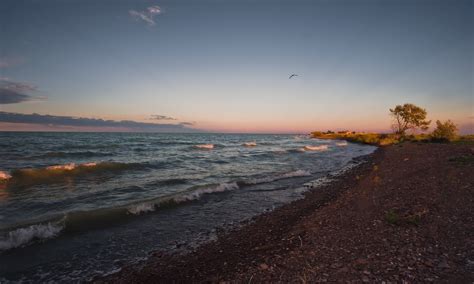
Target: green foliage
[(392, 217), (465, 139), (362, 138), (445, 131), (463, 160), (409, 116), (413, 220)]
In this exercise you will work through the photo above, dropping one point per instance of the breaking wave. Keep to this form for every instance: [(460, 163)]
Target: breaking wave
[(77, 221), (205, 146), (316, 148), (343, 143), (194, 193), (56, 172), (4, 176), (141, 208), (250, 144), (24, 236)]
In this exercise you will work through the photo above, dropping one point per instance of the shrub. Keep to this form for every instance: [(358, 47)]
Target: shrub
[(392, 217), (444, 132)]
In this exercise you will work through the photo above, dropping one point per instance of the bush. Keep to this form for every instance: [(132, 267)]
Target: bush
[(392, 217), (444, 132)]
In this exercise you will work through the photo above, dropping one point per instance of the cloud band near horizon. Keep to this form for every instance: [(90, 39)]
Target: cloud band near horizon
[(53, 120)]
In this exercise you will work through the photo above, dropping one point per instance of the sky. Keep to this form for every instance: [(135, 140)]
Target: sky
[(224, 65)]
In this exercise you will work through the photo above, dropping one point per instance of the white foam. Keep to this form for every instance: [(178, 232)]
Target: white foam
[(67, 167), (316, 148), (4, 176), (298, 173), (71, 166), (318, 182), (205, 146), (197, 193), (250, 144), (141, 208), (23, 236), (343, 143)]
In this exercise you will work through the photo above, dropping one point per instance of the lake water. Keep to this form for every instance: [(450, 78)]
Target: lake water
[(77, 205)]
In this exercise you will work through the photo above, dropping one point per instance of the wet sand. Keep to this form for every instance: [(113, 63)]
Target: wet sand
[(404, 215)]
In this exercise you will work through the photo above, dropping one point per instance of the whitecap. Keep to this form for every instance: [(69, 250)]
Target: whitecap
[(66, 167), (138, 209), (4, 176), (197, 193), (250, 144), (23, 236), (205, 146), (316, 148)]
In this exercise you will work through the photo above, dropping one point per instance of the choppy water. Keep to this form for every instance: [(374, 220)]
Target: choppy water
[(76, 205)]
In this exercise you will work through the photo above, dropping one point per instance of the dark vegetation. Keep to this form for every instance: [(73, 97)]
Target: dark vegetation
[(407, 118)]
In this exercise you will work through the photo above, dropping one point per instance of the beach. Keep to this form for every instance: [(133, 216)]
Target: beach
[(405, 214)]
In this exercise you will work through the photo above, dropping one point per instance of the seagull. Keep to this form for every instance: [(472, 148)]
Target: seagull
[(292, 75)]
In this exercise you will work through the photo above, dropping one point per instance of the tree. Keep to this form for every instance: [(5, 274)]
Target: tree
[(409, 116), (446, 131)]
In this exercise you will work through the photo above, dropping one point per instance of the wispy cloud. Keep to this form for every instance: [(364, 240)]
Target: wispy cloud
[(12, 92), (54, 120), (6, 62), (147, 16), (188, 123), (161, 117)]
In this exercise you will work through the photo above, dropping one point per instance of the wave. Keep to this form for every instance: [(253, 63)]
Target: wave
[(63, 154), (56, 172), (298, 173), (141, 208), (23, 236), (85, 220), (250, 144), (343, 143), (316, 148), (194, 193), (205, 146), (4, 176)]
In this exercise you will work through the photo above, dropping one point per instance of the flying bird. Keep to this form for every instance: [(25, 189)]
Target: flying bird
[(292, 75)]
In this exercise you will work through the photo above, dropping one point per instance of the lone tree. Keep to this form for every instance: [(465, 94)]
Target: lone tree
[(445, 131), (409, 116)]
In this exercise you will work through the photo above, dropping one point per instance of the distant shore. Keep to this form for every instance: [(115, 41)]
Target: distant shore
[(404, 215)]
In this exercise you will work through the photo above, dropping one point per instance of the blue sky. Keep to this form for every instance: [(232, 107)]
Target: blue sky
[(223, 65)]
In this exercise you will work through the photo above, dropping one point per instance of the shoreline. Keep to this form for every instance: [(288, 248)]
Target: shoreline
[(379, 221), (321, 194)]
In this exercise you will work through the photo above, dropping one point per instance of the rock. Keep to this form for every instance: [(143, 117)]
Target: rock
[(360, 263), (443, 264), (343, 270)]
